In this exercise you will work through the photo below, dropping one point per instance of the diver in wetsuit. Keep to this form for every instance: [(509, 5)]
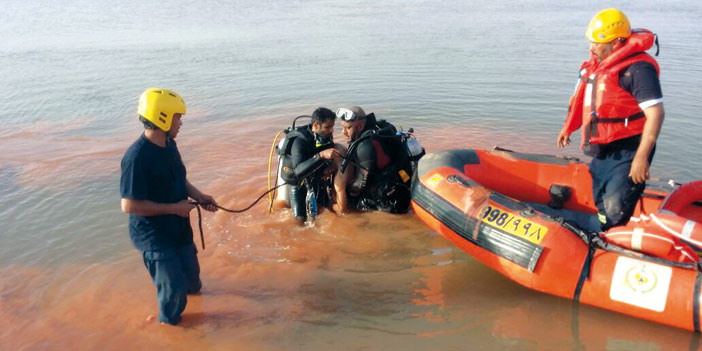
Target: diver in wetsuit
[(381, 179), (308, 162)]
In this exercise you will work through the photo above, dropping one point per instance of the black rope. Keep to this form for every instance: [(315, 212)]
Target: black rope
[(199, 224), (275, 185), (252, 204), (199, 204), (584, 272), (199, 213)]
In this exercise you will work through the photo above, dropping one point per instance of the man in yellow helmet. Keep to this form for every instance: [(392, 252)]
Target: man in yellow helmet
[(619, 105), (154, 191)]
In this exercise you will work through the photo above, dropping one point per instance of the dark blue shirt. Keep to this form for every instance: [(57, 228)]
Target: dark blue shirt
[(151, 172), (641, 80)]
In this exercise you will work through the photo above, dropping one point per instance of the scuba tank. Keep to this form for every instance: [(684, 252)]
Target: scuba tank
[(283, 149), (413, 148), (415, 151), (283, 194), (285, 171)]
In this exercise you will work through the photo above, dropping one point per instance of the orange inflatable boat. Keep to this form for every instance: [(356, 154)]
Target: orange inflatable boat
[(532, 218)]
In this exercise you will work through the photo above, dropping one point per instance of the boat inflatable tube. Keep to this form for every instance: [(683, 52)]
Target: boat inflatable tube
[(493, 205)]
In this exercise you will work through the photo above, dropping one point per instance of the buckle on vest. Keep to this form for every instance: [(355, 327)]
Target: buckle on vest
[(626, 121)]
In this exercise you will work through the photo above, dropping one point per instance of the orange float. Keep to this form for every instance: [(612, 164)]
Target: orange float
[(523, 214)]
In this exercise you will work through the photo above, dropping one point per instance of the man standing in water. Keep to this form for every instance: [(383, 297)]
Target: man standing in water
[(619, 103), (154, 191), (382, 169), (310, 154)]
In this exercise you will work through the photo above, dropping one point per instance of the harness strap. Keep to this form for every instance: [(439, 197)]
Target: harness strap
[(625, 120), (592, 126)]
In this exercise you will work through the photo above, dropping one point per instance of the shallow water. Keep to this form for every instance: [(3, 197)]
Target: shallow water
[(462, 75)]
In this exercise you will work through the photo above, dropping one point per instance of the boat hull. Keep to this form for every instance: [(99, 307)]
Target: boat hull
[(456, 194)]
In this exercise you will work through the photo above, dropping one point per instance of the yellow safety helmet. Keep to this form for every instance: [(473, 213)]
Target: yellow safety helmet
[(159, 105), (607, 25)]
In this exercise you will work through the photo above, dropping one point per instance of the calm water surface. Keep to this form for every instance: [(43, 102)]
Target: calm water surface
[(468, 74)]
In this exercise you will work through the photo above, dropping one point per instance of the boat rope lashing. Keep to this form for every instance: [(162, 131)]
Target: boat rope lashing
[(585, 272), (593, 242)]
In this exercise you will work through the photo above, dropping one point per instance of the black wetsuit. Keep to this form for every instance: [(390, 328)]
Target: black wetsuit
[(380, 159), (304, 169)]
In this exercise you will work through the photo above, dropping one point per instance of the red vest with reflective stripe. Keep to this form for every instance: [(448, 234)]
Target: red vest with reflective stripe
[(605, 110)]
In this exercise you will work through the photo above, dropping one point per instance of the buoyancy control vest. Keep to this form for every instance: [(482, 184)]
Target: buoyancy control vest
[(605, 111), (312, 145), (386, 188)]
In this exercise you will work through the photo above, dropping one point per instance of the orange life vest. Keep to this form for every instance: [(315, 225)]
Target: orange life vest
[(605, 110)]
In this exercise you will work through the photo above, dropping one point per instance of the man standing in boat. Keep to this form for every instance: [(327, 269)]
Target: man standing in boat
[(619, 105), (154, 191)]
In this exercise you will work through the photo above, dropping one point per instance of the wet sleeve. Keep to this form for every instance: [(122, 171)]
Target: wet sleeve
[(302, 162), (297, 153), (641, 80), (367, 160), (365, 154), (132, 183)]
